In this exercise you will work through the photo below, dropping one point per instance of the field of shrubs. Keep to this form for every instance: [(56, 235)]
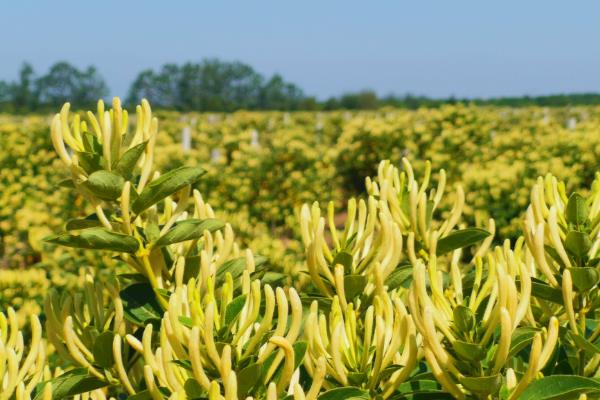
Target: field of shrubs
[(440, 253)]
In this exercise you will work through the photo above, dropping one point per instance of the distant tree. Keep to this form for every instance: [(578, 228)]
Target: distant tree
[(5, 95), (331, 103), (364, 100), (278, 94), (310, 104), (22, 92), (215, 85), (161, 88), (64, 82)]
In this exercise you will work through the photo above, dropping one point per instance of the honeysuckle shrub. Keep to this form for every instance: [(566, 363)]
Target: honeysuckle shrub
[(396, 295), (486, 149)]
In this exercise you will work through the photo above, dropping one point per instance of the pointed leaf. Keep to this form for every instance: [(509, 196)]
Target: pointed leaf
[(235, 267), (140, 304), (90, 221), (354, 285), (103, 350), (71, 383), (90, 162), (401, 277), (166, 185), (97, 239), (577, 210), (188, 230), (468, 351), (345, 393), (585, 344), (559, 387), (544, 291), (126, 163), (464, 319), (247, 379), (299, 352), (459, 239), (483, 384), (234, 308), (521, 338)]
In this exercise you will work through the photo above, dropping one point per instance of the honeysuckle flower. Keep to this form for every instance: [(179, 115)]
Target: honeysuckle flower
[(21, 364)]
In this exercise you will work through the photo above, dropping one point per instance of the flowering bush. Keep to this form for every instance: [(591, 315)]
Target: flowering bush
[(399, 297)]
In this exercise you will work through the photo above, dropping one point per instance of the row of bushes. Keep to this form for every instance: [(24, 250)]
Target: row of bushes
[(400, 299)]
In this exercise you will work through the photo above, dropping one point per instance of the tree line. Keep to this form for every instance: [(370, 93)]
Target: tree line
[(220, 86)]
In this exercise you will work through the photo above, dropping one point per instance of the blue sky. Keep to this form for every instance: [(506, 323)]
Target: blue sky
[(435, 48)]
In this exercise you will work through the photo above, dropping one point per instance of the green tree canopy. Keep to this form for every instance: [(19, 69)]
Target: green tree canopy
[(65, 83), (213, 85)]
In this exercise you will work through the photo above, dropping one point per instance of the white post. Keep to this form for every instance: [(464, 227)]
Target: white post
[(254, 138), (215, 154), (186, 139)]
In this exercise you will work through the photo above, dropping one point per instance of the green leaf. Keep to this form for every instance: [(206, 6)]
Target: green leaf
[(140, 304), (143, 395), (422, 387), (191, 269), (521, 337), (459, 239), (247, 379), (578, 243), (544, 291), (345, 393), (482, 384), (273, 278), (558, 387), (105, 185), (186, 321), (389, 370), (91, 143), (324, 302), (584, 278), (71, 383), (468, 351), (152, 230), (464, 319), (354, 285), (234, 308), (358, 378), (126, 163), (299, 352), (188, 230), (67, 183), (103, 350), (235, 267), (166, 185), (344, 258), (551, 251), (429, 213), (91, 221), (90, 162), (577, 210), (401, 277), (585, 344), (97, 239), (193, 390)]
